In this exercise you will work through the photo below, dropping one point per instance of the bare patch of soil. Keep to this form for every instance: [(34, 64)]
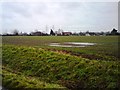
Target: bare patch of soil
[(88, 56)]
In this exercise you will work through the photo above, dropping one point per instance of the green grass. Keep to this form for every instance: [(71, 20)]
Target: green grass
[(16, 80), (60, 69), (28, 62), (41, 40), (106, 48)]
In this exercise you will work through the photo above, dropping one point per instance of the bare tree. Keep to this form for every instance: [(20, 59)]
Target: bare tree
[(15, 32)]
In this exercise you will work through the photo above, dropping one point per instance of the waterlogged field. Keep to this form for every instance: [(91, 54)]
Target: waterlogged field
[(30, 62)]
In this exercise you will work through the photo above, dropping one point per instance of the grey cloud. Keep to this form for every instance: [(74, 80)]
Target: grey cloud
[(10, 9), (33, 15)]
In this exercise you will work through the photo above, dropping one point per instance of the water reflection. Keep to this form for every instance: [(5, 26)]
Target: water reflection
[(71, 44)]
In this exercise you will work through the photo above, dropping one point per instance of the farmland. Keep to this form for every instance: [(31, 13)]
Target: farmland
[(29, 62)]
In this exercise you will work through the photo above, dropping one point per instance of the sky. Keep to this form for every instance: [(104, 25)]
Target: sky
[(68, 16)]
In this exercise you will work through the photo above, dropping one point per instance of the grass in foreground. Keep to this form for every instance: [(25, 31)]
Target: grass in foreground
[(66, 70), (16, 80)]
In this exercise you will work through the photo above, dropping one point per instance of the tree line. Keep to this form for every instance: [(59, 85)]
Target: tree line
[(62, 33)]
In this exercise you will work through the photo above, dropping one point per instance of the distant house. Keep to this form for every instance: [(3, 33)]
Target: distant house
[(87, 34), (92, 34), (37, 33), (59, 32), (23, 34), (82, 34), (66, 33)]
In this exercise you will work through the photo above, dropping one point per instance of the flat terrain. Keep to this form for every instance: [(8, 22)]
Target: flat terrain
[(29, 62)]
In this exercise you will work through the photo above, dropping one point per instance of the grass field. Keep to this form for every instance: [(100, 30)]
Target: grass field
[(29, 62)]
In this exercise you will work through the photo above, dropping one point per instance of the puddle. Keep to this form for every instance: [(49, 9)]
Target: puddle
[(71, 44), (79, 43)]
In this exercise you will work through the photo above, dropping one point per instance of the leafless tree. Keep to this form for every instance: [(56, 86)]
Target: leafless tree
[(15, 32)]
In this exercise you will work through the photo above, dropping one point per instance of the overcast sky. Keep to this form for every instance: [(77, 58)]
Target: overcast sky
[(69, 16)]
